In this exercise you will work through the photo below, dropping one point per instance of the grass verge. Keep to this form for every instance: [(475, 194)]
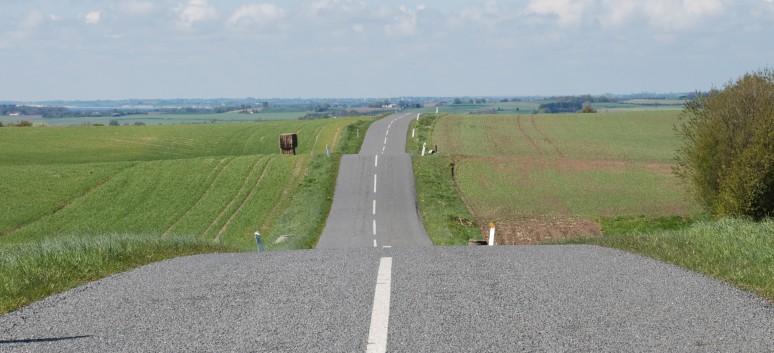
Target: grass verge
[(446, 219), (739, 252), (34, 270)]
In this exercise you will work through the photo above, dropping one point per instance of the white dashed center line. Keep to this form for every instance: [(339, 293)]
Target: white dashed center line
[(380, 315), (374, 183)]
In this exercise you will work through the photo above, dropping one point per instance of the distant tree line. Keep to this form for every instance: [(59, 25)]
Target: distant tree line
[(571, 104), (471, 101), (61, 112), (403, 104), (335, 113)]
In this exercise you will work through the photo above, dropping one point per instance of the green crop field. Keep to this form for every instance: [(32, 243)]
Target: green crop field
[(187, 179), (170, 190), (565, 167), (78, 144)]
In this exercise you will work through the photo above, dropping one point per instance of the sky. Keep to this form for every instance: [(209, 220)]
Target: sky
[(125, 49)]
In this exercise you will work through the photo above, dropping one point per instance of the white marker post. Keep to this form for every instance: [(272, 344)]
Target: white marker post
[(423, 149), (436, 110), (328, 150), (412, 132), (491, 233), (418, 116)]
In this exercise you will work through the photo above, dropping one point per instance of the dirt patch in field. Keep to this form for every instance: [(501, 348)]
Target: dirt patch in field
[(535, 231), (660, 168)]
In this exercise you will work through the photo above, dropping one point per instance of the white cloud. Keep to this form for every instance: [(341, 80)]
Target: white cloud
[(136, 7), (618, 12), (27, 26), (33, 20), (667, 15), (93, 17), (255, 15), (661, 15), (196, 11), (566, 12), (404, 21), (316, 8), (488, 15)]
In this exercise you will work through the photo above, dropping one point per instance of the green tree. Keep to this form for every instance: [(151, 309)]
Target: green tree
[(588, 108), (727, 157)]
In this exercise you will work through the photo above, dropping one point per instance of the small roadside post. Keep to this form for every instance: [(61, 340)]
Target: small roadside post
[(423, 148), (258, 241), (328, 150), (491, 233)]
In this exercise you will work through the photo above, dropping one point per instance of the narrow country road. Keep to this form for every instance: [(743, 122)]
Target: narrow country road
[(400, 296), (375, 200)]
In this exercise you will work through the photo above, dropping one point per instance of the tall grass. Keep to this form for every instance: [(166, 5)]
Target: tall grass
[(740, 252), (34, 270)]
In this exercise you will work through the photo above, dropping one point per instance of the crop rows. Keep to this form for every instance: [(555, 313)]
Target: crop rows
[(568, 166), (216, 182)]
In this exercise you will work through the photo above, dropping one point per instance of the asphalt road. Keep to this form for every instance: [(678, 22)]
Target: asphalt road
[(402, 298), (452, 299), (375, 200)]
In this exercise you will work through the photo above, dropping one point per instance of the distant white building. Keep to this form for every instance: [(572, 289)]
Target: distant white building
[(14, 114)]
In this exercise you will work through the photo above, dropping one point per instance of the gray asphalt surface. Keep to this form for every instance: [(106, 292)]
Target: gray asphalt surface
[(451, 299), (477, 299), (375, 200)]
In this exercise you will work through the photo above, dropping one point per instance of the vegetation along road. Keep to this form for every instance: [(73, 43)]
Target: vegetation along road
[(400, 298)]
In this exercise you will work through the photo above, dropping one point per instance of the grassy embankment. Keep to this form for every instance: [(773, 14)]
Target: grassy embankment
[(446, 219), (738, 252), (613, 168), (167, 190)]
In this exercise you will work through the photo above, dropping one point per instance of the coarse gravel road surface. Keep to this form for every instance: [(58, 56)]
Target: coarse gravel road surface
[(450, 299)]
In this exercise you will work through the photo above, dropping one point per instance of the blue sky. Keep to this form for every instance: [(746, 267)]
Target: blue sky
[(117, 49)]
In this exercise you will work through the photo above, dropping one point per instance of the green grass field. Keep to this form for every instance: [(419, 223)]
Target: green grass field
[(214, 185), (186, 179), (568, 166)]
